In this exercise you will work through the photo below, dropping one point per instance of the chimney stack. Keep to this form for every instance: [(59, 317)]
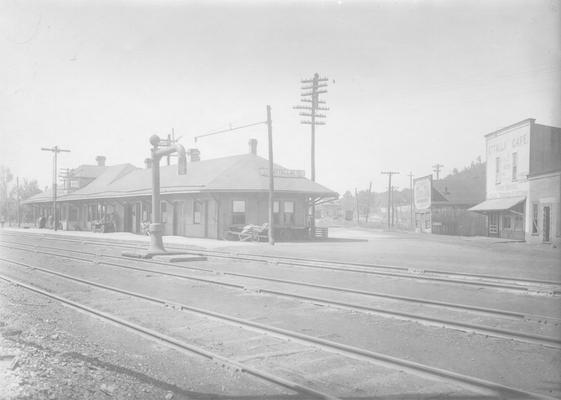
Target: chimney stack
[(100, 161), (194, 155), (148, 163), (253, 146)]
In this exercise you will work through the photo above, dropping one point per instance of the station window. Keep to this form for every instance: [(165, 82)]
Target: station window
[(497, 170), (238, 212), (514, 166), (535, 218), (197, 206), (506, 221), (288, 208)]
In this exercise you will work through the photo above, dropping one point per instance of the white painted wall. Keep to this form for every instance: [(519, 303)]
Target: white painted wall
[(502, 145)]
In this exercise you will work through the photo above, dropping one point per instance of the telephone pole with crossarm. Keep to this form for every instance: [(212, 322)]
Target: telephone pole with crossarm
[(55, 150), (311, 90)]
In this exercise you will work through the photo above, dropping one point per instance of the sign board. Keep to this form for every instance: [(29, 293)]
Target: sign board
[(422, 188), (283, 173)]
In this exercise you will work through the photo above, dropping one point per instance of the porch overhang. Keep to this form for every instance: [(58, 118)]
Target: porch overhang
[(502, 204)]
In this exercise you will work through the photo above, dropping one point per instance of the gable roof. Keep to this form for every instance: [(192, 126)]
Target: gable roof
[(43, 197), (465, 188), (88, 171), (100, 184), (241, 173)]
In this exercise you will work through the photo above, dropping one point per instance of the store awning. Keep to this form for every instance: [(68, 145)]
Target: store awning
[(498, 204)]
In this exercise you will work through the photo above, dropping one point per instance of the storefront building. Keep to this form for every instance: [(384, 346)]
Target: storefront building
[(517, 156), (545, 192), (214, 197), (441, 206)]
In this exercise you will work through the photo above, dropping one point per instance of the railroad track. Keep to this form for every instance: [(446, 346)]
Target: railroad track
[(441, 322), (523, 285), (336, 349)]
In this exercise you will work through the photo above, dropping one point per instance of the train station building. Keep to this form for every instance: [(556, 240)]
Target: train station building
[(213, 198), (523, 182)]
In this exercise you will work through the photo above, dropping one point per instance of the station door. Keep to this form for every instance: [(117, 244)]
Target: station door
[(546, 223)]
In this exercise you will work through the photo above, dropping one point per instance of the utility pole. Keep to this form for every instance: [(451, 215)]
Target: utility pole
[(55, 150), (389, 173), (368, 202), (411, 198), (269, 123), (395, 209), (436, 169), (311, 89), (271, 178)]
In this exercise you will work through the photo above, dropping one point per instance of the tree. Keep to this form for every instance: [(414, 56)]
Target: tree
[(5, 178), (27, 188), (347, 201)]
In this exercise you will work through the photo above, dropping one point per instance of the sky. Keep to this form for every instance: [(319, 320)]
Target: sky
[(411, 83)]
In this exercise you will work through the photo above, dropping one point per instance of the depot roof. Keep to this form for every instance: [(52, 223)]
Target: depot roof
[(242, 173)]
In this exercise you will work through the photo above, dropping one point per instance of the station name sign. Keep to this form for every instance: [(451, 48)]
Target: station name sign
[(283, 173)]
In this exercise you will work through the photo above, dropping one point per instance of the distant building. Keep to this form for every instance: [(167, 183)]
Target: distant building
[(213, 197), (523, 182), (451, 199), (441, 206)]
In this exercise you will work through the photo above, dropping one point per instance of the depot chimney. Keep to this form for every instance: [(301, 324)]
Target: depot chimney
[(194, 155), (253, 146), (100, 161)]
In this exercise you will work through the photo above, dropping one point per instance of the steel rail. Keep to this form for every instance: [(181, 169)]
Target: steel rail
[(492, 311), (369, 272), (268, 258), (327, 345), (403, 268), (465, 327), (174, 343)]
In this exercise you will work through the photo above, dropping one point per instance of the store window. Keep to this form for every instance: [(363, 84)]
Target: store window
[(197, 206), (534, 218), (506, 221), (238, 212), (288, 208), (497, 170), (514, 166)]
